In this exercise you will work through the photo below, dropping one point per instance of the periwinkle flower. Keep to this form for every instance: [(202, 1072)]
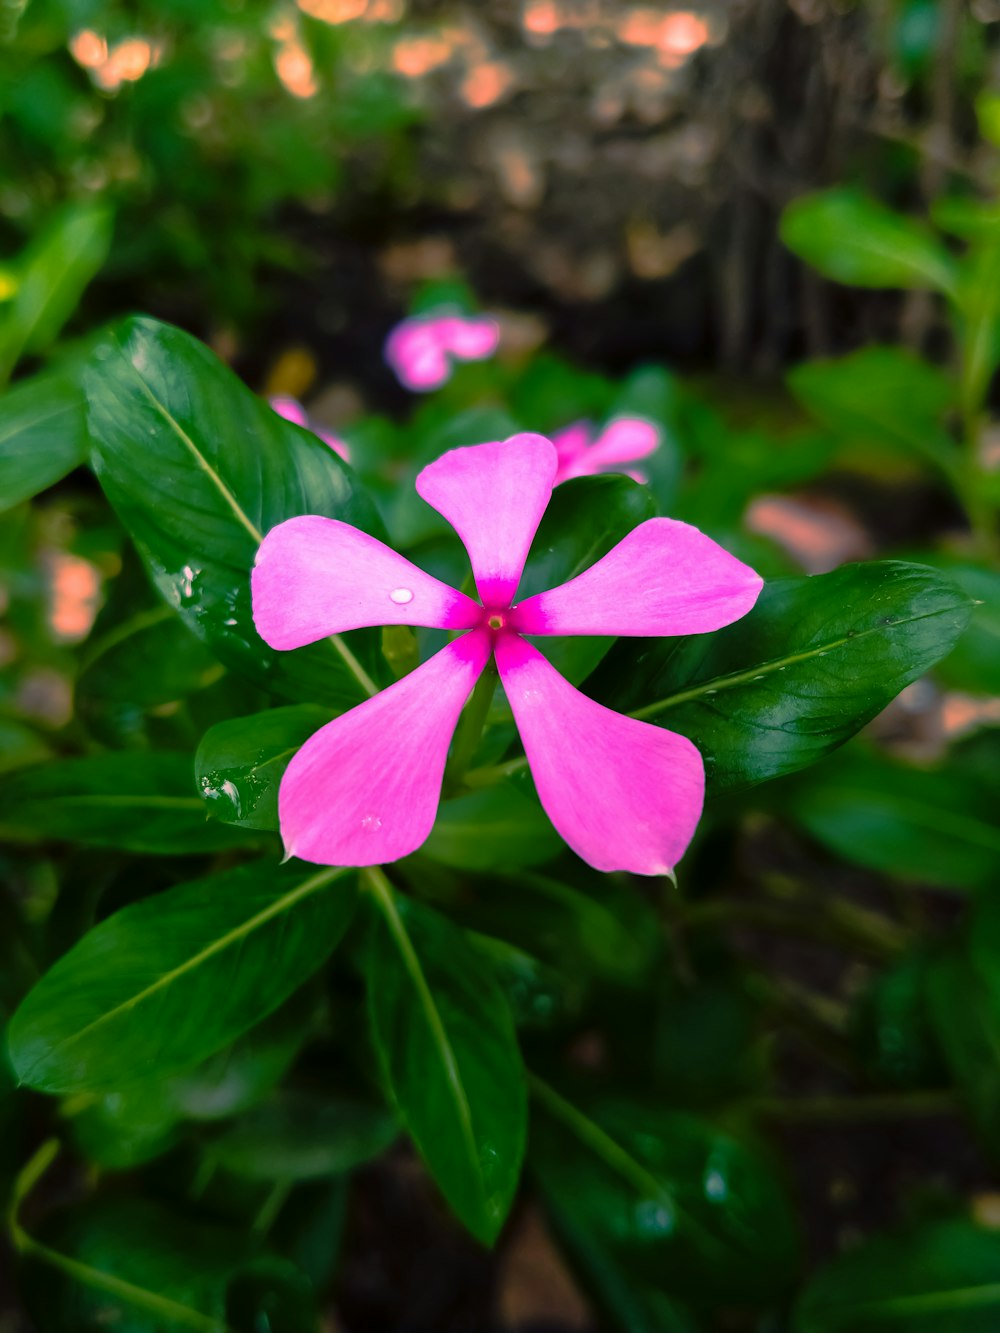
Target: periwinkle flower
[(624, 440), (292, 410), (421, 349), (624, 794)]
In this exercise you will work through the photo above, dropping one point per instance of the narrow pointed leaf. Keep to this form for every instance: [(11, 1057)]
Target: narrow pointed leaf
[(228, 469), (814, 661), (449, 1057), (169, 980)]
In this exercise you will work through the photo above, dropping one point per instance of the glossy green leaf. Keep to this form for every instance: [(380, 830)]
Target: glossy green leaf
[(682, 1205), (169, 980), (52, 275), (140, 655), (492, 828), (941, 1275), (814, 661), (139, 802), (43, 436), (240, 763), (126, 1263), (305, 1136), (854, 239), (584, 519), (931, 825), (881, 394), (140, 1121), (228, 469), (449, 1057)]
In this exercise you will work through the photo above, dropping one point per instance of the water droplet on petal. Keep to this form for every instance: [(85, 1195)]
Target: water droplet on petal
[(371, 823), (401, 596)]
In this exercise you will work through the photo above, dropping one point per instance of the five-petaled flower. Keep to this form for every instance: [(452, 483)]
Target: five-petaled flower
[(624, 794), (420, 350), (624, 440)]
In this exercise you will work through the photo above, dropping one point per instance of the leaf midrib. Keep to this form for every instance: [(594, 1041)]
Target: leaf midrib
[(384, 897), (985, 1293), (716, 683), (129, 1291), (348, 657), (964, 827), (236, 935)]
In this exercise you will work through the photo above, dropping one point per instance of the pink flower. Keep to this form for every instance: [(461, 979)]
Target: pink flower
[(625, 795), (292, 410), (624, 441), (419, 349)]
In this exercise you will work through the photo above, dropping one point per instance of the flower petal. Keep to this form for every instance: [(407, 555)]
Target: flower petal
[(625, 441), (416, 353), (365, 788), (316, 576), (494, 496), (624, 794), (470, 338), (665, 577)]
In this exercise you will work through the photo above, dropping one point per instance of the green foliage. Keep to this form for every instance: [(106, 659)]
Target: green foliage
[(674, 1201), (199, 960), (852, 238), (449, 1057), (933, 1276), (42, 436), (813, 661), (141, 802), (228, 470)]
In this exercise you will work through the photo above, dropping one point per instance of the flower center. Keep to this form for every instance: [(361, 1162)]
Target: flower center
[(495, 621)]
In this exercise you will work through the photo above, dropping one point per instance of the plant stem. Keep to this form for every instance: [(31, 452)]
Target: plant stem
[(471, 725), (494, 773), (865, 1106)]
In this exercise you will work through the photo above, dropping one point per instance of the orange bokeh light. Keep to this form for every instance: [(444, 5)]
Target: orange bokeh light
[(415, 56)]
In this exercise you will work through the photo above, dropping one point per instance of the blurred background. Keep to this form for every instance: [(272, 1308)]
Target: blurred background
[(620, 187)]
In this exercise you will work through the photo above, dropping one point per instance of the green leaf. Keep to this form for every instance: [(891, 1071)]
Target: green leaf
[(140, 655), (53, 274), (884, 395), (240, 763), (854, 239), (680, 1205), (139, 802), (932, 825), (965, 1012), (975, 663), (169, 980), (228, 469), (43, 436), (140, 1121), (814, 661), (941, 1275), (449, 1057), (495, 827), (585, 518), (605, 929), (126, 1263), (303, 1136)]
